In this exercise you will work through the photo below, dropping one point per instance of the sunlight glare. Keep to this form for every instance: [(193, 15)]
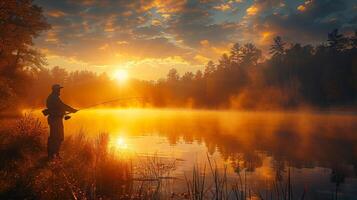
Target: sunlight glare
[(121, 143), (121, 75)]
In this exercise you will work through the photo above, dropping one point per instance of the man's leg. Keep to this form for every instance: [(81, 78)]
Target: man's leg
[(59, 136), (58, 147), (56, 136), (50, 147), (50, 139)]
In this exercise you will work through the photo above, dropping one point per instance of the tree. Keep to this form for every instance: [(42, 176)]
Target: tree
[(6, 94), (59, 74), (173, 75), (250, 54), (277, 48), (224, 62), (198, 75), (336, 41), (235, 56), (20, 22), (209, 69), (187, 77)]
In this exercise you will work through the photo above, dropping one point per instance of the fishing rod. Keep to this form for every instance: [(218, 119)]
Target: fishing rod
[(67, 116), (111, 101)]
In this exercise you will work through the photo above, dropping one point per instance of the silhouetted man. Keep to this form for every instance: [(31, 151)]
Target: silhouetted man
[(56, 110)]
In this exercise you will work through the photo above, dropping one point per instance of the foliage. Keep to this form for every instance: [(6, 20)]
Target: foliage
[(20, 22)]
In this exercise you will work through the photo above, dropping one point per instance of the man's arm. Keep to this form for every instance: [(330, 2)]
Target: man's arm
[(68, 108)]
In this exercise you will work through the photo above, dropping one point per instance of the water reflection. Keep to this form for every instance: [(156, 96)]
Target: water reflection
[(320, 148), (118, 143)]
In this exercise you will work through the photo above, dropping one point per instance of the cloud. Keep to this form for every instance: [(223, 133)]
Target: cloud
[(56, 13), (149, 68), (301, 8), (111, 32), (252, 10), (204, 43), (201, 59), (148, 31), (307, 22), (311, 23), (223, 7), (195, 23)]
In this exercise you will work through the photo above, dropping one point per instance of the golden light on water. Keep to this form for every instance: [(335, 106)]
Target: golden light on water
[(120, 143), (244, 139)]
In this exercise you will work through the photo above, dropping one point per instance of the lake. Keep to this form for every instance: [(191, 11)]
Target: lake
[(316, 151)]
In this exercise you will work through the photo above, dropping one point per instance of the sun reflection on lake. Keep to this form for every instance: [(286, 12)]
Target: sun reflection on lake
[(119, 143)]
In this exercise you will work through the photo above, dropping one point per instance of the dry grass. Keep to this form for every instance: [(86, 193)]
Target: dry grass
[(220, 188), (89, 168)]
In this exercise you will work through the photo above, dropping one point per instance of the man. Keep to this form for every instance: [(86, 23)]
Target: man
[(56, 110)]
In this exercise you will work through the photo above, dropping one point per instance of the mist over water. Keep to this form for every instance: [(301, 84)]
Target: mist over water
[(264, 145)]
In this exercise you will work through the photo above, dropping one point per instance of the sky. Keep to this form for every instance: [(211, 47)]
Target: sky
[(149, 37)]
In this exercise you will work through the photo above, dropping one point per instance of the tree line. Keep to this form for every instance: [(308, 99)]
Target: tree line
[(293, 76)]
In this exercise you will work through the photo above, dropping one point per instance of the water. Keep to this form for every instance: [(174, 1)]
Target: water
[(319, 149)]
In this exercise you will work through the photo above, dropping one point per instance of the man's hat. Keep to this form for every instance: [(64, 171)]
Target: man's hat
[(56, 87)]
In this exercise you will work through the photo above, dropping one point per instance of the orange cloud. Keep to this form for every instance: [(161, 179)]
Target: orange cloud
[(204, 42), (223, 7), (301, 8), (201, 59), (165, 6), (122, 42), (153, 68), (252, 10), (165, 16), (221, 50), (104, 47), (127, 13), (52, 37), (63, 61), (155, 22), (109, 27), (56, 13), (87, 2), (266, 37)]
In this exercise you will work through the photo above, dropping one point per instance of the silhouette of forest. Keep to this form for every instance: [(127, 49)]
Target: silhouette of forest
[(293, 76)]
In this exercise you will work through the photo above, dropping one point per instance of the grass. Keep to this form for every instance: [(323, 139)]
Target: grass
[(90, 169), (196, 185), (220, 188)]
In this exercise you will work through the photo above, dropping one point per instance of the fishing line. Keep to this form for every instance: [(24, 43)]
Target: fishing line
[(67, 116), (111, 101)]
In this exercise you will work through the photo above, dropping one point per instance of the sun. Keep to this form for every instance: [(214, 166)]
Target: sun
[(121, 75)]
